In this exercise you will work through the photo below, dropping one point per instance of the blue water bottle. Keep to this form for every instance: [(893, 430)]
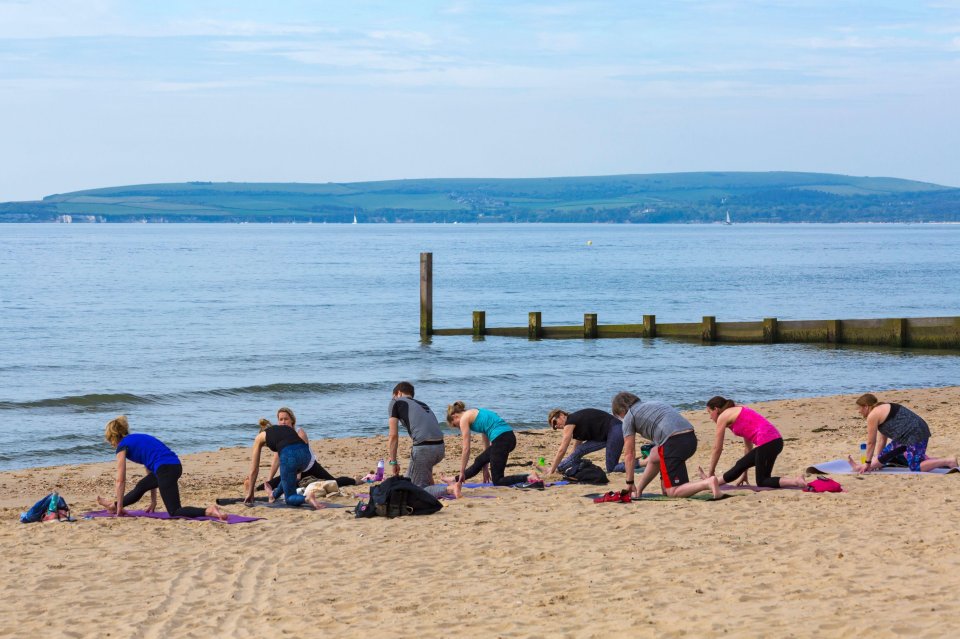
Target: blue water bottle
[(52, 507)]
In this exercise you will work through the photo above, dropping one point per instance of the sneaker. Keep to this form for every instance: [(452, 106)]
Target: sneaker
[(625, 496), (608, 496), (532, 484)]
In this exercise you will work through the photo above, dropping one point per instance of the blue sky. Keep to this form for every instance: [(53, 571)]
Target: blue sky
[(100, 93)]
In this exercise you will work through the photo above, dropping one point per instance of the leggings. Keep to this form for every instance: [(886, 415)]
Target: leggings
[(166, 480), (496, 455), (763, 457), (613, 444), (317, 471)]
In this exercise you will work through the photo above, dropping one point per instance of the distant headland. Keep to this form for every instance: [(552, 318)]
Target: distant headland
[(706, 197)]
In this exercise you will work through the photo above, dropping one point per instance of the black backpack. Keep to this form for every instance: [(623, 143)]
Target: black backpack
[(588, 473), (397, 497)]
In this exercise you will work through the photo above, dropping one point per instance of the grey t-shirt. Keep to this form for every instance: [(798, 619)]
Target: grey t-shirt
[(417, 418), (655, 421)]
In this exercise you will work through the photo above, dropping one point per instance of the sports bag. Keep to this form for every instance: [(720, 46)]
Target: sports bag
[(588, 473), (823, 485), (58, 510), (397, 497)]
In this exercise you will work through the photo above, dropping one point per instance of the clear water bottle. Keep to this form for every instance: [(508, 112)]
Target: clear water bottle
[(379, 475), (863, 452)]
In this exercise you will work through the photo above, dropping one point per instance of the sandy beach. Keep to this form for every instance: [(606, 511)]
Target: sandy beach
[(881, 559)]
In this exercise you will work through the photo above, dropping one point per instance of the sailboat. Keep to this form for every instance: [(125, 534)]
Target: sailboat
[(728, 222), (355, 218)]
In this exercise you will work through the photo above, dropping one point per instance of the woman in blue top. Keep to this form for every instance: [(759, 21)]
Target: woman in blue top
[(163, 473), (498, 442)]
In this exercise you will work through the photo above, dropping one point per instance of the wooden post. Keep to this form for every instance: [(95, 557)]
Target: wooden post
[(589, 326), (649, 325), (479, 323), (534, 325), (426, 295), (833, 331), (898, 331), (709, 329), (770, 330)]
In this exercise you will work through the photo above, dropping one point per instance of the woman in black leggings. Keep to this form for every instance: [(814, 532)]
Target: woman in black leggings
[(163, 473), (498, 442)]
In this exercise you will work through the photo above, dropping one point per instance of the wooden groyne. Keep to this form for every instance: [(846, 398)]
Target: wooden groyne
[(913, 332)]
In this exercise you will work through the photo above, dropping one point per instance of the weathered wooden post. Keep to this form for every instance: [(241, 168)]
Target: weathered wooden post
[(898, 331), (708, 331), (649, 326), (769, 330), (589, 326), (534, 325), (479, 323), (426, 295), (833, 331)]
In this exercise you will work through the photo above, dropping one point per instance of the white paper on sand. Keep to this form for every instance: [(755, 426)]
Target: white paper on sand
[(842, 467)]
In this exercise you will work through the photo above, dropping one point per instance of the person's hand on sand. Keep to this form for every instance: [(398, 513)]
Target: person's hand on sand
[(743, 480), (120, 512), (151, 508)]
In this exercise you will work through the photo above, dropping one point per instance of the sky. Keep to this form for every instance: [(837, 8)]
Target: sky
[(97, 93)]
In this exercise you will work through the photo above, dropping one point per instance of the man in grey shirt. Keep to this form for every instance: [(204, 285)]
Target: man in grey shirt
[(424, 429), (674, 441)]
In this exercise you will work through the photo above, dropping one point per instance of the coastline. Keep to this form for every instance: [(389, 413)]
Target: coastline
[(521, 563)]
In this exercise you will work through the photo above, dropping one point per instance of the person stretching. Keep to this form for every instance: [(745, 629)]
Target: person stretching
[(428, 447), (908, 433), (762, 443), (285, 417), (293, 456), (674, 443), (498, 442), (593, 430), (163, 473)]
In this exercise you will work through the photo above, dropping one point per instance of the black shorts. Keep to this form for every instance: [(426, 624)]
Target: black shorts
[(673, 458)]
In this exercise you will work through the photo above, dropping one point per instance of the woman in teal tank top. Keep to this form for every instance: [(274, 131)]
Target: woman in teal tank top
[(498, 442)]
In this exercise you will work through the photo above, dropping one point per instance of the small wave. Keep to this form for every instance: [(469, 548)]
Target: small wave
[(103, 401)]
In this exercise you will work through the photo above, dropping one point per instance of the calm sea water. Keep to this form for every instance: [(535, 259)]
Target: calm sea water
[(196, 331)]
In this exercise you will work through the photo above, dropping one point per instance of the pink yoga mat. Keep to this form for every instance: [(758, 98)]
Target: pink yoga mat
[(231, 518)]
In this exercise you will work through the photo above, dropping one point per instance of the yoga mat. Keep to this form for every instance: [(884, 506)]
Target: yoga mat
[(231, 518), (546, 485), (841, 467), (658, 497), (261, 502)]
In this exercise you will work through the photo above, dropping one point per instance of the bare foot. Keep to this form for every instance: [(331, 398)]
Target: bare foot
[(312, 499), (702, 474), (453, 488), (214, 511), (715, 487), (532, 477), (853, 465), (111, 506)]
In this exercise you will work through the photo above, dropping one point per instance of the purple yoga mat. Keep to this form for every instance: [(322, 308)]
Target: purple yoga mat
[(231, 518)]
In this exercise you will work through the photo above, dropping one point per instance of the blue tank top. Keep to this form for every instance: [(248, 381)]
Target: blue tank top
[(490, 424), (147, 450)]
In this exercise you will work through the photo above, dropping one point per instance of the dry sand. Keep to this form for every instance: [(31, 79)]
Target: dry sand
[(882, 559)]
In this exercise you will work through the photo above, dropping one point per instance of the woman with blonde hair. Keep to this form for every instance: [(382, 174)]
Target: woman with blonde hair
[(163, 473), (286, 417), (498, 442), (908, 434)]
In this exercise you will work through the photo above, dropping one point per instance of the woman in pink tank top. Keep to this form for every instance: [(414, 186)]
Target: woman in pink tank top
[(762, 444)]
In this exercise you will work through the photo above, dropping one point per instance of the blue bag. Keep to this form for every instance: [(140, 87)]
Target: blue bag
[(40, 509)]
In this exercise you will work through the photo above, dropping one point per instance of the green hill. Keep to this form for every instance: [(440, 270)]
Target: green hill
[(663, 197)]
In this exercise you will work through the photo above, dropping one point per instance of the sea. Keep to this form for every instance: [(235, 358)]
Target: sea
[(195, 331)]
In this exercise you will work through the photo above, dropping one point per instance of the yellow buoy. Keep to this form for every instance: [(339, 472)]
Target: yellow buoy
[(589, 242)]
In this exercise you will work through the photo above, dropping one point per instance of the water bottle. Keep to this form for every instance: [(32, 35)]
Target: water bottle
[(54, 503), (379, 475), (863, 452)]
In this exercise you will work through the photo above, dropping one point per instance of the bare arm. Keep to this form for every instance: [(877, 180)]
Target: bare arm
[(630, 456), (717, 446), (121, 484), (393, 442), (564, 444), (255, 465), (465, 432)]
